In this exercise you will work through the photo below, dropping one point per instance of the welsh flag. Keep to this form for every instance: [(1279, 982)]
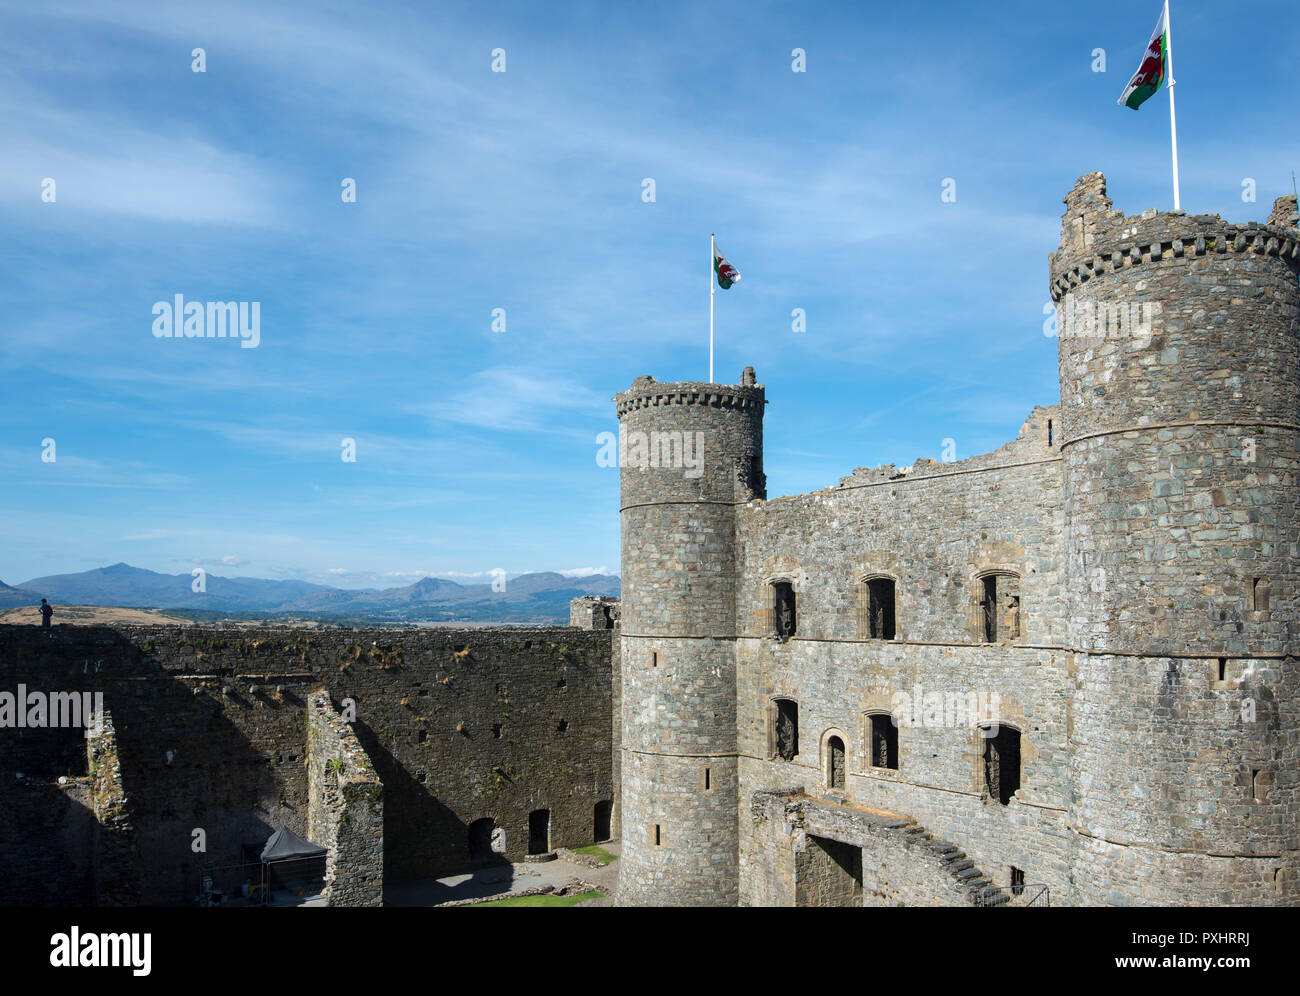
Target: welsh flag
[(727, 274), (1152, 72)]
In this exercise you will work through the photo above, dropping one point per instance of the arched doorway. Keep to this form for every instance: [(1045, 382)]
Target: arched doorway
[(480, 840)]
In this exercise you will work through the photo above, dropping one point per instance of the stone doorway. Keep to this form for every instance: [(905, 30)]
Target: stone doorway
[(603, 819), (539, 831), (487, 841), (828, 873)]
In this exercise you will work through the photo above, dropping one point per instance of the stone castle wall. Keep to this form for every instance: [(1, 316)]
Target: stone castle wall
[(211, 728), (814, 854), (679, 820), (935, 531), (1181, 450), (47, 842), (1148, 529), (117, 868)]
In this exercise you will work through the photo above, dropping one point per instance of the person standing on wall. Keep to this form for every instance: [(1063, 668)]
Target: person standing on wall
[(47, 610)]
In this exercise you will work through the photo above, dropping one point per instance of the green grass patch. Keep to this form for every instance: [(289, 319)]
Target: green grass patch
[(543, 900), (597, 852)]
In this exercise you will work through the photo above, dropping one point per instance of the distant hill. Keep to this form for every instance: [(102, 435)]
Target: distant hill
[(11, 597), (134, 587), (530, 598)]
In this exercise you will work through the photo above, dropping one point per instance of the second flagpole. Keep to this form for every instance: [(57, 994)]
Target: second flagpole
[(712, 256), (1173, 127)]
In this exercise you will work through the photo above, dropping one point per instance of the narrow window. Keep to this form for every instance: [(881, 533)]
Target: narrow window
[(1255, 786), (835, 763), (1223, 669), (785, 723), (990, 607), (658, 839), (999, 608), (1001, 762), (880, 608), (884, 742), (1258, 595), (1017, 880), (783, 608), (654, 658), (1049, 433), (708, 783)]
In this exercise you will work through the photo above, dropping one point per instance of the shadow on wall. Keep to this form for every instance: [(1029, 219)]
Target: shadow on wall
[(47, 839), (199, 751), (421, 835)]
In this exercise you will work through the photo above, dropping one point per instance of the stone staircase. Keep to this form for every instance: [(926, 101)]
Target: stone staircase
[(978, 886)]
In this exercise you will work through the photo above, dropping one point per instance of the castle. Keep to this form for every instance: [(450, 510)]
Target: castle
[(1063, 671)]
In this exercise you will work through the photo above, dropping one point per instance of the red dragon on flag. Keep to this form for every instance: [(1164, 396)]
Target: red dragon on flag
[(1151, 73), (727, 274)]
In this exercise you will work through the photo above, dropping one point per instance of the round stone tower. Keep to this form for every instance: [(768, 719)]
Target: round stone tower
[(689, 453), (1179, 344)]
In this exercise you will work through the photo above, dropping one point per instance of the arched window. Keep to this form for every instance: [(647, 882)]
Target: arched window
[(876, 611), (834, 763), (883, 748), (783, 609), (998, 618), (783, 726)]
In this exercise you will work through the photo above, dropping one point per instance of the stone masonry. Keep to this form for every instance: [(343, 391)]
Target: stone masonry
[(1072, 659), (345, 808), (210, 729)]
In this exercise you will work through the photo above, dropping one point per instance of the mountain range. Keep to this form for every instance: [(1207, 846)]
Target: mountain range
[(539, 598)]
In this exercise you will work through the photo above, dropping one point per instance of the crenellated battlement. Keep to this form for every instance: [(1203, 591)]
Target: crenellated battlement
[(646, 392), (1095, 238)]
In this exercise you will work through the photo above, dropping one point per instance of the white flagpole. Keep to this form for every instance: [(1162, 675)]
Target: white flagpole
[(712, 288), (1173, 127)]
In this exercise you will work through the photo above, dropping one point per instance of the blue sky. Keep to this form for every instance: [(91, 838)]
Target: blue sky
[(522, 190)]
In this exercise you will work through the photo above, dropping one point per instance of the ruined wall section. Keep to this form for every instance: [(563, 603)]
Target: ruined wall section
[(902, 864), (117, 869), (461, 725), (594, 612), (603, 612), (345, 808)]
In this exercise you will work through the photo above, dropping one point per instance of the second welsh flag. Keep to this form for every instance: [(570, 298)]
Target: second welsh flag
[(727, 274), (1151, 73)]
